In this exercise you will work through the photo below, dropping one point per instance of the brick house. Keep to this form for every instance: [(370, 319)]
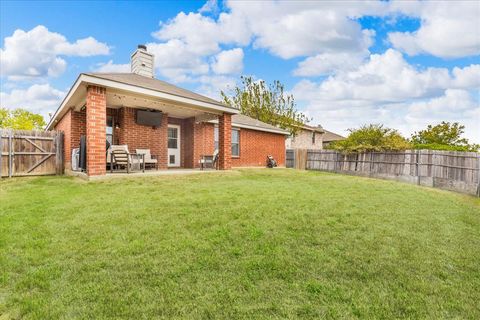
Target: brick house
[(307, 137), (104, 107)]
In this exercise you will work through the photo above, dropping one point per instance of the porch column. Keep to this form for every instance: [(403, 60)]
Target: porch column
[(96, 131), (225, 141)]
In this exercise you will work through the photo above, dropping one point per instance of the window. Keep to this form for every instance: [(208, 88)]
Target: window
[(172, 138), (215, 137), (110, 129), (313, 137), (235, 142)]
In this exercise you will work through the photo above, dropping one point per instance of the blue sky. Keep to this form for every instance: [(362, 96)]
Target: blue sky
[(404, 64)]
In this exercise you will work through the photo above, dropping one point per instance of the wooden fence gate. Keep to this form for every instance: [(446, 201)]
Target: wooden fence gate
[(30, 153), (296, 158)]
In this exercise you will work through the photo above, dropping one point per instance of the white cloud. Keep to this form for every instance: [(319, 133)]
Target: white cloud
[(383, 78), (386, 89), (468, 77), (228, 61), (297, 29), (328, 63), (174, 60), (39, 98), (37, 53), (112, 67), (454, 105), (200, 34), (211, 86), (286, 29), (209, 6), (448, 29)]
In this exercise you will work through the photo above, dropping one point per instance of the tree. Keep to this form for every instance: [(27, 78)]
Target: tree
[(372, 137), (269, 104), (20, 119), (443, 136)]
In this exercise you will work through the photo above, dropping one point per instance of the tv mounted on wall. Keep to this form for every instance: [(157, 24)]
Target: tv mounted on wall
[(149, 118)]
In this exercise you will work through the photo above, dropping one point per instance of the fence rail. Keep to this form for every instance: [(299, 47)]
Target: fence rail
[(456, 171), (27, 153)]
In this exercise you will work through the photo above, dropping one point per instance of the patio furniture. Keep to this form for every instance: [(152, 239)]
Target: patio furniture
[(150, 160), (119, 157), (209, 160)]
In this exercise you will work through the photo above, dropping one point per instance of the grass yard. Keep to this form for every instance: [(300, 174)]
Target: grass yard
[(251, 244)]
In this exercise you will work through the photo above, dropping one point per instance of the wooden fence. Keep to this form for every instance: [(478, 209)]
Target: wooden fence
[(456, 171), (296, 158), (25, 153)]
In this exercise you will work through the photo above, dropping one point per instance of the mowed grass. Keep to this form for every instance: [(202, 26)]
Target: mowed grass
[(250, 244)]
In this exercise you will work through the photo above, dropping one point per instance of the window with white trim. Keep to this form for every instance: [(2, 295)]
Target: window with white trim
[(215, 137), (235, 143)]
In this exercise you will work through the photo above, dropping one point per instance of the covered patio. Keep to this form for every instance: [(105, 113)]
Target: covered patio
[(104, 107)]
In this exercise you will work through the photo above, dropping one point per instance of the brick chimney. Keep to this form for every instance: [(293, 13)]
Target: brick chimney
[(142, 62)]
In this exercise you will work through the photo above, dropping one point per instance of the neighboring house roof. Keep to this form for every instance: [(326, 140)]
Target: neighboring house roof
[(154, 84), (329, 136), (311, 128)]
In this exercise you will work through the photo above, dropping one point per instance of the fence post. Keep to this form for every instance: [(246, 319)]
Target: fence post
[(1, 151), (10, 154), (417, 173), (59, 158), (478, 176)]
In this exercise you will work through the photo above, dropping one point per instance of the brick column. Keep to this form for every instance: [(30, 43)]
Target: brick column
[(162, 139), (225, 141), (96, 131)]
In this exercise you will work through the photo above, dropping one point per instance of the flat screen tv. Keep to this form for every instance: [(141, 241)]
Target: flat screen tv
[(149, 118)]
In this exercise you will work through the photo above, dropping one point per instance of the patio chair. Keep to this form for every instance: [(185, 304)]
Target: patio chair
[(119, 157), (150, 160), (209, 160)]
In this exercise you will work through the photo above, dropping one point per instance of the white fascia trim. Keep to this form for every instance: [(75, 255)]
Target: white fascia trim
[(83, 78), (246, 126)]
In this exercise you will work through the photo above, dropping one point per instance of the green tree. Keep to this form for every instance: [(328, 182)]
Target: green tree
[(267, 103), (20, 119), (443, 136), (372, 137)]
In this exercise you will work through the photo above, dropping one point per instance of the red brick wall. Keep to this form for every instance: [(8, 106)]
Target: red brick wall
[(65, 125), (142, 137), (79, 127), (256, 145), (73, 126), (197, 140), (96, 134)]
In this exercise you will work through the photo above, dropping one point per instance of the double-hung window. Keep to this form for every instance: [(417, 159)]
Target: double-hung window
[(235, 141)]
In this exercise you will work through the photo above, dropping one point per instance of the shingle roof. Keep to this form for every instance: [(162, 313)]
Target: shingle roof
[(153, 84), (311, 128), (330, 136), (162, 86), (241, 119)]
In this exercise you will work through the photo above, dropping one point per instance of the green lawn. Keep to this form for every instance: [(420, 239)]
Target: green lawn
[(252, 244)]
